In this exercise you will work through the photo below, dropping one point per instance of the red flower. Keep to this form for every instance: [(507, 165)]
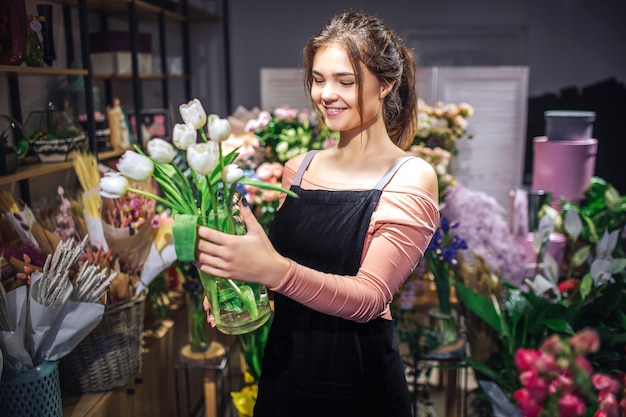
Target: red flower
[(569, 285)]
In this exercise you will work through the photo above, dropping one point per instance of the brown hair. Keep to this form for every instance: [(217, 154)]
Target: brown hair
[(366, 39)]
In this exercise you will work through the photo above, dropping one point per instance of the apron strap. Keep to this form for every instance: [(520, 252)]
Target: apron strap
[(303, 166), (379, 186), (385, 179)]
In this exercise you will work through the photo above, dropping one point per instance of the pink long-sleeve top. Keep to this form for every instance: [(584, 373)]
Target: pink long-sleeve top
[(399, 232)]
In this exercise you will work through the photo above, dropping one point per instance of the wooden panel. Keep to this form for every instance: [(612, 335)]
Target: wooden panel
[(283, 87), (492, 162)]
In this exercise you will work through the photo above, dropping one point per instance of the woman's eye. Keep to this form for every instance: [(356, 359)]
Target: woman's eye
[(317, 81), (347, 83)]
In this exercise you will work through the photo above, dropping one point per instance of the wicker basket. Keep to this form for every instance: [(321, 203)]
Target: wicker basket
[(110, 356)]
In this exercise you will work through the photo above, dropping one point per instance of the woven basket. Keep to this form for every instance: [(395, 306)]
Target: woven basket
[(110, 356)]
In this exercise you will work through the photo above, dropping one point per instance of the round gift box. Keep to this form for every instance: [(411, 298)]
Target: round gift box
[(563, 167), (569, 124)]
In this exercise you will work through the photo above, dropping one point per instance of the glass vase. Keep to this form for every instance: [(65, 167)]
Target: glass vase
[(238, 307), (12, 31), (443, 326), (196, 317)]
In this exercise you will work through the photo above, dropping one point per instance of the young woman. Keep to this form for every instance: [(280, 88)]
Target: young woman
[(336, 255)]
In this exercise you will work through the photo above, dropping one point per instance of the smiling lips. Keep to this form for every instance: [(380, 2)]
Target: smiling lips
[(333, 111)]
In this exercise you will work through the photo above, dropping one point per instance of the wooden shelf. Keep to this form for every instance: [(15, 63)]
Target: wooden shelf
[(31, 168), (24, 70), (145, 9), (143, 76)]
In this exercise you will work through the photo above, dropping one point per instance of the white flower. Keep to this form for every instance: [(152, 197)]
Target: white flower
[(231, 173), (203, 157), (193, 113), (113, 185), (219, 129), (184, 135), (161, 150), (135, 166)]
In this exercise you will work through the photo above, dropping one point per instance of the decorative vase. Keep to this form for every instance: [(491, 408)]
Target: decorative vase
[(443, 326), (33, 392), (238, 307), (49, 54), (12, 32), (197, 317)]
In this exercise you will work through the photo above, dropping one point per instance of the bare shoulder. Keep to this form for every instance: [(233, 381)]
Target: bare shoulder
[(295, 162), (417, 172)]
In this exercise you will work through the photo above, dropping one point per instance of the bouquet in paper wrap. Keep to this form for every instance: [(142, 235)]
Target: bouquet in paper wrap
[(45, 320), (137, 237)]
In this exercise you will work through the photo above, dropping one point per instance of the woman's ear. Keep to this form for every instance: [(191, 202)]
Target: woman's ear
[(386, 87)]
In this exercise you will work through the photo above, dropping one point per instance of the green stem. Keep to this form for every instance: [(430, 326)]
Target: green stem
[(157, 198), (203, 135)]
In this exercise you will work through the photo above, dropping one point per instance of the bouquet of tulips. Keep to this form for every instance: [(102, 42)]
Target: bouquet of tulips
[(205, 193)]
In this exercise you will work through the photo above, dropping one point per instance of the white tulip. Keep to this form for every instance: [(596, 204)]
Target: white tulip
[(135, 166), (231, 173), (161, 150), (203, 157), (218, 129), (184, 135), (113, 185), (193, 113)]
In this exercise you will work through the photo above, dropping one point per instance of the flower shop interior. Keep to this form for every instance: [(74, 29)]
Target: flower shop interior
[(520, 111)]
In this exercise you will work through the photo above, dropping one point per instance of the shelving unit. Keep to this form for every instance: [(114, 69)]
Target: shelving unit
[(133, 11)]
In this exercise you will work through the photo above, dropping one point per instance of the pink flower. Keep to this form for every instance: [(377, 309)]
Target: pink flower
[(527, 404), (585, 341), (604, 383), (546, 362), (565, 382), (584, 364), (571, 405), (608, 404), (525, 359), (552, 344)]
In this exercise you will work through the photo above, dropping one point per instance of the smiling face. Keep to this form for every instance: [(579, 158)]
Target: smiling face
[(334, 90)]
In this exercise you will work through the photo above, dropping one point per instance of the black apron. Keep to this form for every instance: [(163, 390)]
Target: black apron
[(315, 364)]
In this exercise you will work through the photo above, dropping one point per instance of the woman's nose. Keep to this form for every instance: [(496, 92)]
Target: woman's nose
[(328, 93)]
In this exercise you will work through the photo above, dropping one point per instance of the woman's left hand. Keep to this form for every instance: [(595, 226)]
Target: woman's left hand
[(250, 257)]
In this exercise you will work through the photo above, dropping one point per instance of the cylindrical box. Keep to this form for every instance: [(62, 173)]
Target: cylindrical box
[(564, 167)]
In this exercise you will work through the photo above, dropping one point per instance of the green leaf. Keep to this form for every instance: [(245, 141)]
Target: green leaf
[(247, 297), (585, 286), (581, 255), (478, 304), (184, 232), (267, 186), (559, 324)]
